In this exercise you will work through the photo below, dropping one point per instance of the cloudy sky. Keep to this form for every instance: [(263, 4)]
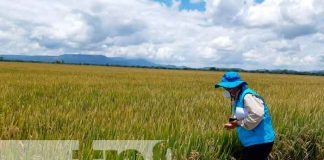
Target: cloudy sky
[(250, 34)]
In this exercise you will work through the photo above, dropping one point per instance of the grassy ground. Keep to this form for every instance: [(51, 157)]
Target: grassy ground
[(85, 103)]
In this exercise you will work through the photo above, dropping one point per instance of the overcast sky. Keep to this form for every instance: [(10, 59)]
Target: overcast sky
[(269, 34)]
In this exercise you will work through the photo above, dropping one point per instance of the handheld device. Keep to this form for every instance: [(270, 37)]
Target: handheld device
[(231, 119)]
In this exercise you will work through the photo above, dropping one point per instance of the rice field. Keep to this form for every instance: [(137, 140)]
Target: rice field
[(86, 103)]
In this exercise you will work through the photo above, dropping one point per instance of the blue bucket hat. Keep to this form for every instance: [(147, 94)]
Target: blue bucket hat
[(230, 80)]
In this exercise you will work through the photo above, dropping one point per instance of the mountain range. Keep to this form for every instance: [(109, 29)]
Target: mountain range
[(133, 62), (81, 59)]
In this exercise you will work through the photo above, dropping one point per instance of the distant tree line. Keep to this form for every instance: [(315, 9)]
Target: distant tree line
[(283, 71)]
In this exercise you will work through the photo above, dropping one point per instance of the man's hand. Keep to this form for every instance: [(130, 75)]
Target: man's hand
[(231, 125)]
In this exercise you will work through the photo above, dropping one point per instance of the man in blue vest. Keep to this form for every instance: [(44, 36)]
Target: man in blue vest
[(251, 117)]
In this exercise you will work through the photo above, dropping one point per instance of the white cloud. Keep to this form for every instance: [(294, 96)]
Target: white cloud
[(230, 33), (265, 14), (224, 11), (222, 42)]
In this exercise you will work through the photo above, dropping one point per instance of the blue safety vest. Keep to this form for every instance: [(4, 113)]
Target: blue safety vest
[(263, 133)]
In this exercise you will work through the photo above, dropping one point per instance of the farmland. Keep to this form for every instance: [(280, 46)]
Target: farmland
[(86, 103)]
